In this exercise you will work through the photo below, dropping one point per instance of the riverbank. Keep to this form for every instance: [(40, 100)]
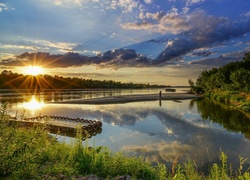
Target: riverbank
[(132, 98), (44, 158), (237, 100)]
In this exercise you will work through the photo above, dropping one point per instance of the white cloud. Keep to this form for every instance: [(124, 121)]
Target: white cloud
[(155, 16), (172, 23), (191, 2), (10, 46), (28, 44), (247, 14), (185, 10), (125, 5), (58, 2), (113, 35), (141, 15), (148, 1), (62, 2), (160, 22), (6, 55), (59, 45), (62, 46), (5, 7)]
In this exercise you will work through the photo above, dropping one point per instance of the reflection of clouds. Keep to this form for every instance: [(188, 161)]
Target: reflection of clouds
[(159, 133), (161, 151), (203, 150), (191, 139), (118, 116)]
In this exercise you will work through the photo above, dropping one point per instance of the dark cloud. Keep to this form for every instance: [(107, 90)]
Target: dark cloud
[(220, 60), (122, 58), (206, 31), (47, 60), (201, 53), (123, 54), (175, 50), (112, 59)]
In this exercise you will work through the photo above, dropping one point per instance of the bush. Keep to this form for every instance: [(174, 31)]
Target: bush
[(245, 107)]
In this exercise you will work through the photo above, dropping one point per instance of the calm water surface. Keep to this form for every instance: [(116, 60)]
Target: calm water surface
[(159, 131)]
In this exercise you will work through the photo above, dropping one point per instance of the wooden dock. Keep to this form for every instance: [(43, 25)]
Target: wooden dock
[(62, 125)]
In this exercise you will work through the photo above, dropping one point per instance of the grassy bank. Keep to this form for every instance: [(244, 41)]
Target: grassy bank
[(236, 100), (33, 154)]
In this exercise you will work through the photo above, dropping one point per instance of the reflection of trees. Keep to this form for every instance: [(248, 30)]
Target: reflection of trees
[(231, 119), (11, 96)]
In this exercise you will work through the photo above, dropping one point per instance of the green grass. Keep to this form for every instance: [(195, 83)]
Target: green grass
[(33, 154), (236, 100)]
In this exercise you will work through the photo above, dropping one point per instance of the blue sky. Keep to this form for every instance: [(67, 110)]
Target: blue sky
[(157, 41)]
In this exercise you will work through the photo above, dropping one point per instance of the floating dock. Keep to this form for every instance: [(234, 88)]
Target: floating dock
[(62, 125)]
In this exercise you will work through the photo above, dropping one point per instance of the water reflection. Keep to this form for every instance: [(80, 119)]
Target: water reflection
[(12, 96), (72, 134), (33, 104), (230, 119), (194, 130)]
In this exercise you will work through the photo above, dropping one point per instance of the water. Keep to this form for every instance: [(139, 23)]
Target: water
[(190, 129)]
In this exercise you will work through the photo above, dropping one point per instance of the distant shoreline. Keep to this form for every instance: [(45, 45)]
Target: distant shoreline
[(132, 98)]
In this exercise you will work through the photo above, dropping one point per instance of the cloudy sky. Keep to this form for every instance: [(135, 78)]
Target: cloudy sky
[(142, 41)]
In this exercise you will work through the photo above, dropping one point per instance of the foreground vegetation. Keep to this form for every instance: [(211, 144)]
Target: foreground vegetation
[(33, 154), (228, 84)]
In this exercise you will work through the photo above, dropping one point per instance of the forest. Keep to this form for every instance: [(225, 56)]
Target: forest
[(234, 76), (228, 84), (10, 80)]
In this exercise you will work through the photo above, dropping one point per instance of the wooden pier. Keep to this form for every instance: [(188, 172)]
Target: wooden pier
[(62, 125)]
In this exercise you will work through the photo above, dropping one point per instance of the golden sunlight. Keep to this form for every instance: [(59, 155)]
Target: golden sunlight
[(33, 104), (33, 70)]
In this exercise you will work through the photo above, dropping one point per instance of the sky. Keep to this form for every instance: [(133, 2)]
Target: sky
[(163, 42)]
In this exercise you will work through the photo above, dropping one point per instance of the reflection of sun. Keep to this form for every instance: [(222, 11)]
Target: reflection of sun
[(33, 104), (33, 70)]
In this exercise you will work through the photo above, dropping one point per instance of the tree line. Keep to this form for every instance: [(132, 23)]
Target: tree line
[(10, 80), (234, 76)]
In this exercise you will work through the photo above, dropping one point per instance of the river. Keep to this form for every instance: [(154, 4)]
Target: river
[(158, 131)]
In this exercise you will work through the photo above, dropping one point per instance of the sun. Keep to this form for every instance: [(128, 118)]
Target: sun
[(33, 70)]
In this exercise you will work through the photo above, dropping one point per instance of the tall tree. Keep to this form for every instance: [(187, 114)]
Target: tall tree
[(246, 56)]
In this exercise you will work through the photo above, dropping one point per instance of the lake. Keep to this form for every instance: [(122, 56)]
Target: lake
[(158, 131)]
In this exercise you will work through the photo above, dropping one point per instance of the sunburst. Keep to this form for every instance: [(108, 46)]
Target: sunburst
[(33, 70)]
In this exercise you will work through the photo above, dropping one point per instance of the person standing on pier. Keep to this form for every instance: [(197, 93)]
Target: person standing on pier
[(160, 94)]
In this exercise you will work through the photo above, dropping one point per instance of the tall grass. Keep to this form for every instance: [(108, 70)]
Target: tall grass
[(34, 154), (237, 100)]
